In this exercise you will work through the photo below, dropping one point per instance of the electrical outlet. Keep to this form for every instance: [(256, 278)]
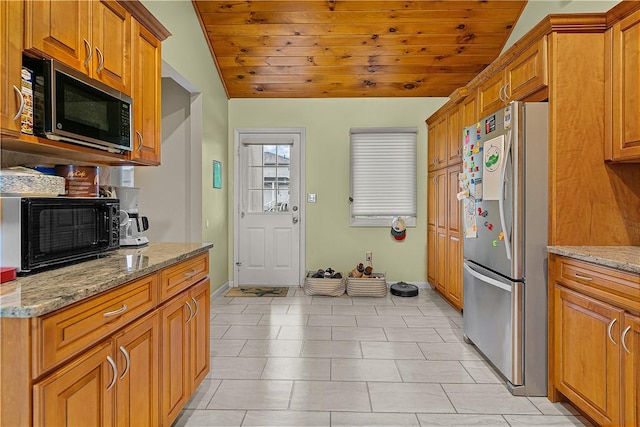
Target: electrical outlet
[(369, 256)]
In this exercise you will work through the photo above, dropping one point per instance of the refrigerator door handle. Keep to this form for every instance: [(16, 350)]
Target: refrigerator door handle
[(486, 279), (503, 222)]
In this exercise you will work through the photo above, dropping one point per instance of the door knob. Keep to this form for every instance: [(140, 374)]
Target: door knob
[(295, 208), (295, 220)]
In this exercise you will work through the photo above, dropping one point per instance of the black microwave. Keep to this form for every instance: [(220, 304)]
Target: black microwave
[(38, 232), (69, 106)]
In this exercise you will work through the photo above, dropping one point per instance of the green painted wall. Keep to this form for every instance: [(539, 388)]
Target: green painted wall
[(188, 53), (536, 10), (329, 239)]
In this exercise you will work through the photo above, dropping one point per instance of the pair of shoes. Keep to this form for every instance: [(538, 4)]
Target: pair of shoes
[(329, 273), (358, 271)]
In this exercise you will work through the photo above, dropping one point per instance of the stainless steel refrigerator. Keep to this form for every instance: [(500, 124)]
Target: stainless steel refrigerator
[(504, 195)]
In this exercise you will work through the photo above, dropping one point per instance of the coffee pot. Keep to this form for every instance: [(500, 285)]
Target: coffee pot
[(132, 224)]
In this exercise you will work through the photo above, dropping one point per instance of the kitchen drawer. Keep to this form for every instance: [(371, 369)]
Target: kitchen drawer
[(64, 333), (606, 284), (182, 275)]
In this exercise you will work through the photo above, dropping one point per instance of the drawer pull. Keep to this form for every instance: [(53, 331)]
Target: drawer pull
[(587, 278), (114, 368), (190, 311), (125, 353), (116, 312), (609, 330), (190, 273), (624, 336)]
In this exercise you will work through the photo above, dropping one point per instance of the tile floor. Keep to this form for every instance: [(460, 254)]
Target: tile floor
[(324, 361)]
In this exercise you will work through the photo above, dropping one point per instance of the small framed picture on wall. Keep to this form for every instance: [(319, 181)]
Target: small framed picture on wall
[(217, 174)]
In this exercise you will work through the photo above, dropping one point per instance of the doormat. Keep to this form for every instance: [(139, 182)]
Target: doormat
[(257, 291)]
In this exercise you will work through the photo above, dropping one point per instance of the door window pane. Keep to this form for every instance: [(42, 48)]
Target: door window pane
[(269, 170)]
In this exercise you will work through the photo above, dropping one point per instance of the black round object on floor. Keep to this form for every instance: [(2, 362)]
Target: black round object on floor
[(402, 289)]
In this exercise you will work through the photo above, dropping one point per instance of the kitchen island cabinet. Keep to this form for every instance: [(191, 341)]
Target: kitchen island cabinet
[(83, 344), (594, 304)]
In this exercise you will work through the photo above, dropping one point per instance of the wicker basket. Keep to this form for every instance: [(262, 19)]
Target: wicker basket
[(322, 286), (374, 286)]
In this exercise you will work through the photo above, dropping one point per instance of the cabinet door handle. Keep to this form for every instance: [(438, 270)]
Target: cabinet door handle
[(116, 312), (141, 141), (455, 239), (21, 107), (190, 273), (609, 330), (506, 95), (89, 52), (500, 97), (196, 304), (101, 61), (190, 311), (586, 278), (623, 337), (114, 368), (127, 359)]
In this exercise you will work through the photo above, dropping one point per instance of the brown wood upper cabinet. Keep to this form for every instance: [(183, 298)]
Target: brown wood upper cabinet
[(524, 75), (445, 139), (622, 119), (11, 102), (147, 68), (93, 37), (437, 148)]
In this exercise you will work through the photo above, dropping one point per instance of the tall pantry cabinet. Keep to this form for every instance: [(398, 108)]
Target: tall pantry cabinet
[(444, 241)]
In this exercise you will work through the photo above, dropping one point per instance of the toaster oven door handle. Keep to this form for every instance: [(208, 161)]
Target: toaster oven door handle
[(116, 312)]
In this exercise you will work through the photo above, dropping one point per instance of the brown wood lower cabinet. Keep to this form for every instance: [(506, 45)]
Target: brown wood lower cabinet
[(79, 394), (138, 359), (587, 360), (140, 372), (595, 340), (120, 376), (444, 244), (185, 353), (631, 345)]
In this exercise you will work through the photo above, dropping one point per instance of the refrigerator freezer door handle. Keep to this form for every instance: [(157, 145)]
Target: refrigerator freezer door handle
[(503, 222), (486, 279)]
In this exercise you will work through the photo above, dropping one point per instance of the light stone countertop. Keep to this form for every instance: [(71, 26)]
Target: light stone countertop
[(624, 258), (40, 293)]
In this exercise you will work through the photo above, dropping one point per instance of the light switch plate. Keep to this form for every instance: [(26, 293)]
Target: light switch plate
[(311, 197)]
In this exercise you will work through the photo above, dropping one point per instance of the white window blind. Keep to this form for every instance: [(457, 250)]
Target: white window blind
[(383, 175)]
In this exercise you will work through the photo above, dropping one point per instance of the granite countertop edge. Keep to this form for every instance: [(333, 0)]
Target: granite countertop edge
[(79, 291), (623, 258)]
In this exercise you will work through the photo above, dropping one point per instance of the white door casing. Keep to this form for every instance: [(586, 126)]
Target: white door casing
[(269, 238)]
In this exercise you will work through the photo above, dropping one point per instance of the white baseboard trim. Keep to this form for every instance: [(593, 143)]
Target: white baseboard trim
[(220, 291)]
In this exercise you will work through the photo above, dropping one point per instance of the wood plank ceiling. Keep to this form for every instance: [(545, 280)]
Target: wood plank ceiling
[(353, 48)]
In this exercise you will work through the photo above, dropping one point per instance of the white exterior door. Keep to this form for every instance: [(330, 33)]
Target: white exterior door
[(268, 209)]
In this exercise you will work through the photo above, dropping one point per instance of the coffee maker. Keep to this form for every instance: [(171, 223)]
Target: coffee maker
[(131, 223)]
